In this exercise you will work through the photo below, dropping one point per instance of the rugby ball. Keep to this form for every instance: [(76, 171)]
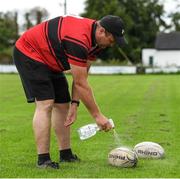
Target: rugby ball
[(149, 150), (122, 157)]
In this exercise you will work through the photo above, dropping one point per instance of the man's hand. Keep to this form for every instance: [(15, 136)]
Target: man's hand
[(72, 115), (103, 122)]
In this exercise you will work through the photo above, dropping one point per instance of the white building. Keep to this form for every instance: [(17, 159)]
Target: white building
[(166, 52)]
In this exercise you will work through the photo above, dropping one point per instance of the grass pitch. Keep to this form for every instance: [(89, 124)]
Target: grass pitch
[(144, 108)]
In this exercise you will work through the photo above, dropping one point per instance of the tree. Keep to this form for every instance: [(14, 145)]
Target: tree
[(175, 19), (35, 16), (28, 22), (16, 25), (8, 29), (8, 35), (38, 14), (142, 19)]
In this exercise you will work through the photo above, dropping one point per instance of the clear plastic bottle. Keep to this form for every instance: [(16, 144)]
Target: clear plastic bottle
[(90, 130)]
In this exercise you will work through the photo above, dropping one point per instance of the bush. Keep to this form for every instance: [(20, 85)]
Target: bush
[(6, 56)]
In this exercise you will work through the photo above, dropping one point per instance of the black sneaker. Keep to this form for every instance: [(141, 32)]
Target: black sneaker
[(48, 164), (72, 158)]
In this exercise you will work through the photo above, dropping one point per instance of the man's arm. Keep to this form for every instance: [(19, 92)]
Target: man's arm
[(75, 95), (83, 89), (73, 107), (81, 86)]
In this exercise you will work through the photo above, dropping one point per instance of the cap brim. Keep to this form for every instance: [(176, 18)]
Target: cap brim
[(121, 41)]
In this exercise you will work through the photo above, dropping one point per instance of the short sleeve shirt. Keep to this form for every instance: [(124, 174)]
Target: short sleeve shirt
[(60, 42)]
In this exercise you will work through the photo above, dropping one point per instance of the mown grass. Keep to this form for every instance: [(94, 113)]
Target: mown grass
[(144, 108)]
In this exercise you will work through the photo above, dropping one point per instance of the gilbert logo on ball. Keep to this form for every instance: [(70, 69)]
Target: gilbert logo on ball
[(122, 157)]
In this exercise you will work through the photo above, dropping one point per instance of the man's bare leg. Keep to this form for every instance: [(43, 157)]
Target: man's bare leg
[(59, 115), (42, 125)]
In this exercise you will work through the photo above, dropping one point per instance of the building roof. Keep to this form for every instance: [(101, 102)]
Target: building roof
[(168, 41)]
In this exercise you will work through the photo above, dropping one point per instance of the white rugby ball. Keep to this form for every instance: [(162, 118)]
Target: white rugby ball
[(149, 150), (122, 157)]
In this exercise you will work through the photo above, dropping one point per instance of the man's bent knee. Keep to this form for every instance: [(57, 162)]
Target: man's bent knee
[(61, 106), (45, 105)]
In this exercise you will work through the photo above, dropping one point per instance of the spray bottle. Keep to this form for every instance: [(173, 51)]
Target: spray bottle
[(90, 130)]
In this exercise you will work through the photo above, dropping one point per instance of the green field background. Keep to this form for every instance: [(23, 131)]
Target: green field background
[(143, 107)]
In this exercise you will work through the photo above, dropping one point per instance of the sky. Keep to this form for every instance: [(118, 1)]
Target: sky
[(56, 8)]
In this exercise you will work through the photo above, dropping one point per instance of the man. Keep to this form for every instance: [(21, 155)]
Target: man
[(41, 55)]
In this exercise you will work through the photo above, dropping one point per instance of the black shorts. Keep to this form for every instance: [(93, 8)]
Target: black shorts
[(39, 82)]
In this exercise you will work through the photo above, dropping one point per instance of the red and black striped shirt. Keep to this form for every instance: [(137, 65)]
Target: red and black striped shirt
[(61, 41)]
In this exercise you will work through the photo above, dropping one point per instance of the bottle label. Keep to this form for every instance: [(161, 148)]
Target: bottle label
[(87, 131)]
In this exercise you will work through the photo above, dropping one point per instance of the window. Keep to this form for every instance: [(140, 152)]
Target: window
[(151, 60)]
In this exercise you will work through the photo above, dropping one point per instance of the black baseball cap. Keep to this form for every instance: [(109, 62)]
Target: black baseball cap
[(115, 26)]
